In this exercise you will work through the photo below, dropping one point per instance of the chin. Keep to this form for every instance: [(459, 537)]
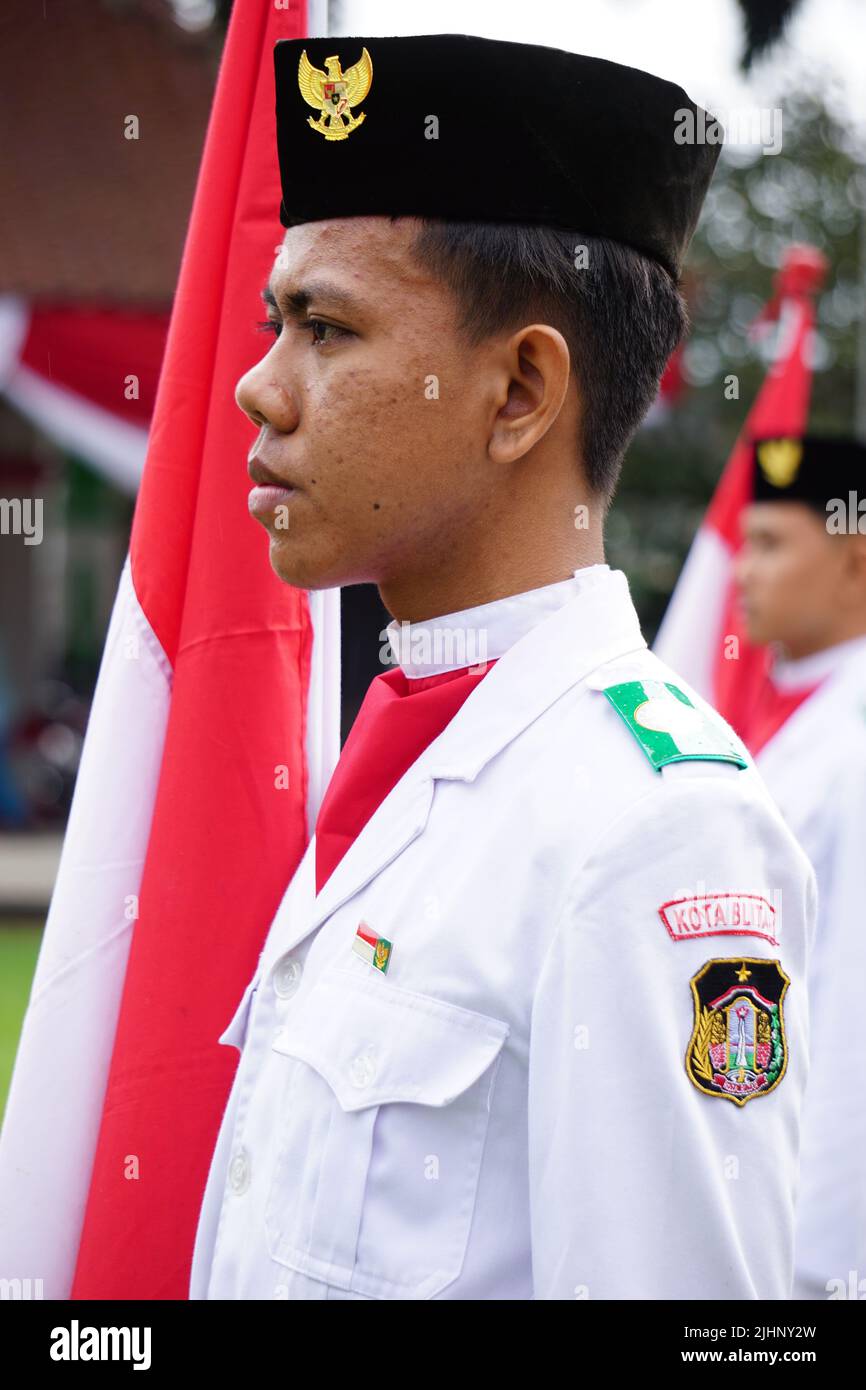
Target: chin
[(757, 633), (289, 569), (301, 571)]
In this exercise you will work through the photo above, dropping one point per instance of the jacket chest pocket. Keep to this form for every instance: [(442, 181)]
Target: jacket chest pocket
[(382, 1135)]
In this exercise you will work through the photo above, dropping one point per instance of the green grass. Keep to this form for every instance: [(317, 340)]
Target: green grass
[(19, 947)]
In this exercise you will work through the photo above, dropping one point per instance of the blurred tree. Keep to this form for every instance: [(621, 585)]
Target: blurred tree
[(813, 190)]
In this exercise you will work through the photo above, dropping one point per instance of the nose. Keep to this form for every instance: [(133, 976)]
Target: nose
[(263, 397), (742, 566)]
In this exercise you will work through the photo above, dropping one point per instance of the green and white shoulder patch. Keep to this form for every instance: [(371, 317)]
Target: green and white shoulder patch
[(669, 728)]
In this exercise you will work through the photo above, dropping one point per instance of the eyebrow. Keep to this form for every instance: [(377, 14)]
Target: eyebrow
[(322, 291)]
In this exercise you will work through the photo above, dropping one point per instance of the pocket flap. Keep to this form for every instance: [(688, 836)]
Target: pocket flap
[(375, 1042), (235, 1034)]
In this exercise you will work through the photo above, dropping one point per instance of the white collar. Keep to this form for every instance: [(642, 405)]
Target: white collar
[(804, 670), (483, 633), (598, 627)]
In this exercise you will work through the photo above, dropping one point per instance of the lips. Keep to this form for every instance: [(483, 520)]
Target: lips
[(270, 491), (266, 477), (264, 501)]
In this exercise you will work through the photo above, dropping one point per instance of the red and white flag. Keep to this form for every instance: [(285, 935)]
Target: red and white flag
[(213, 733), (701, 634), (59, 367)]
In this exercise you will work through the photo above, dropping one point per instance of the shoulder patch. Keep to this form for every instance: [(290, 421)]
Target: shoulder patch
[(738, 1049), (667, 725), (720, 914)]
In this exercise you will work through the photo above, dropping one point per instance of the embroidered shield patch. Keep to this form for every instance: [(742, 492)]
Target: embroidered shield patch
[(738, 1048)]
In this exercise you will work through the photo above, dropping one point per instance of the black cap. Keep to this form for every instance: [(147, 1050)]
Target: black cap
[(807, 468), (482, 130)]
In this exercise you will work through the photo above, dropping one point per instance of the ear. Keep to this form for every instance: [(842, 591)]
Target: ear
[(534, 374), (848, 552), (855, 569)]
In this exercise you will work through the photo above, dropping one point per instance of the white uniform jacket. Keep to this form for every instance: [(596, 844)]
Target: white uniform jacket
[(524, 1105), (815, 766)]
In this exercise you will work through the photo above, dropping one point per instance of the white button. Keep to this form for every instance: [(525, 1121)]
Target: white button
[(287, 977), (239, 1171), (281, 1291), (362, 1070), (278, 1030)]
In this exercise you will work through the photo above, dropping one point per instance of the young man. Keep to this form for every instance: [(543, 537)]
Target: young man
[(530, 1021), (802, 576)]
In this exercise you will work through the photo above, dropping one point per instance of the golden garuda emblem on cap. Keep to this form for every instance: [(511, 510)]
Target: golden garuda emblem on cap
[(779, 460), (334, 93)]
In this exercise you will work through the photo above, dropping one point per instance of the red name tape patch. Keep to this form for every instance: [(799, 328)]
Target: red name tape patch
[(720, 914)]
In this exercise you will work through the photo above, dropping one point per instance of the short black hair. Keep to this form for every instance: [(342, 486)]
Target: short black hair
[(620, 313)]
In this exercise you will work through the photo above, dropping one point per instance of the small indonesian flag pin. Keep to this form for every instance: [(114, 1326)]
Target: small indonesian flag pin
[(372, 947)]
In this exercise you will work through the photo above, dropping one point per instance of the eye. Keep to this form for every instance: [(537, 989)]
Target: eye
[(316, 324), (318, 327)]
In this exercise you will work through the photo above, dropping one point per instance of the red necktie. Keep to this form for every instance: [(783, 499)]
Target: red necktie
[(773, 707), (398, 719)]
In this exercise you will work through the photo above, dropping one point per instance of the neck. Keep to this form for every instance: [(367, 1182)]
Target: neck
[(419, 597)]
